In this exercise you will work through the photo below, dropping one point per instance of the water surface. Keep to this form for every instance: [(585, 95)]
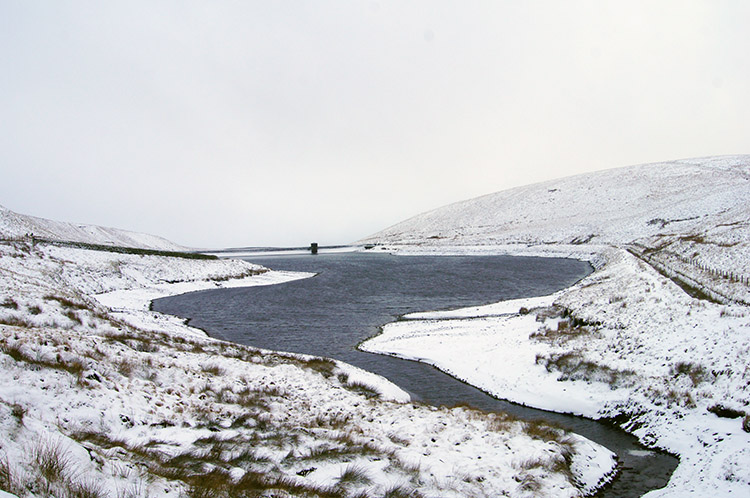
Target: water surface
[(354, 294)]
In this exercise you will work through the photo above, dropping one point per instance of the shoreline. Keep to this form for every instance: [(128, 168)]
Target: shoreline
[(593, 388), (122, 391), (624, 449)]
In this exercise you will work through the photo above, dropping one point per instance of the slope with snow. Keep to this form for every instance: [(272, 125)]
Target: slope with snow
[(626, 343), (615, 206), (99, 396), (15, 226)]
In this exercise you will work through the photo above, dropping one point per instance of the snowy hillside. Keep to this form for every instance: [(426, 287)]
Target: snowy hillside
[(607, 207), (656, 339), (14, 225), (689, 219)]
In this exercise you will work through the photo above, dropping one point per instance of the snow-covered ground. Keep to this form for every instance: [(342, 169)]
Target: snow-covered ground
[(626, 343), (99, 396)]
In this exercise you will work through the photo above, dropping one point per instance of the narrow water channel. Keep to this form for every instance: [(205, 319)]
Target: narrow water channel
[(354, 294)]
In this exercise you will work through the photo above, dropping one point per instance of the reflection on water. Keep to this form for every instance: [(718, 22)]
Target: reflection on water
[(354, 294)]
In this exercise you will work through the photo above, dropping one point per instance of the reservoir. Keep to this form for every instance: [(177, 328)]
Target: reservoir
[(352, 295)]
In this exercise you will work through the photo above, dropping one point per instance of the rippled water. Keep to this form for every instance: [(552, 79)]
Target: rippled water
[(354, 294)]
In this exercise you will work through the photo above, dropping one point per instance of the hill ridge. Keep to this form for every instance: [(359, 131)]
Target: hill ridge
[(15, 225), (613, 206)]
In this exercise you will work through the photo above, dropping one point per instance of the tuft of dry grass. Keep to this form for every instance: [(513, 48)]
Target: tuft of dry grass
[(133, 490), (323, 366), (363, 389), (84, 488), (500, 421), (354, 475), (532, 463), (66, 302), (9, 303), (218, 483), (545, 431), (213, 369), (16, 321), (8, 479), (529, 483), (573, 366), (694, 371), (73, 317), (397, 439), (680, 397), (334, 421), (18, 411), (52, 464), (401, 491), (565, 331)]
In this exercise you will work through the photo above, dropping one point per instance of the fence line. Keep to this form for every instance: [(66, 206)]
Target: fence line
[(726, 274), (642, 253)]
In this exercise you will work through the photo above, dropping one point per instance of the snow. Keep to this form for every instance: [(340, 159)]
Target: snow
[(85, 366), (608, 207), (626, 342), (453, 345), (15, 225), (132, 402)]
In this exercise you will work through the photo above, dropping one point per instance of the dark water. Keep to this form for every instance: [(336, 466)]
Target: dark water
[(354, 294)]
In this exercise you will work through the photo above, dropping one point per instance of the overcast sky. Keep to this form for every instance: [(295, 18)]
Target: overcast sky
[(236, 123)]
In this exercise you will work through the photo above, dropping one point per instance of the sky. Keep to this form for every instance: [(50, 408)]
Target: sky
[(255, 123)]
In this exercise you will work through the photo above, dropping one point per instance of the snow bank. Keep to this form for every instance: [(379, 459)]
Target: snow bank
[(624, 342)]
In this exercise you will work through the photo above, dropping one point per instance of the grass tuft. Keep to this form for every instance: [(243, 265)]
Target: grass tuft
[(363, 389), (66, 303), (15, 321), (566, 330), (324, 366), (401, 491), (694, 371), (73, 317), (8, 479), (573, 366), (86, 488), (18, 412), (213, 369), (530, 483), (354, 475), (51, 461), (9, 303)]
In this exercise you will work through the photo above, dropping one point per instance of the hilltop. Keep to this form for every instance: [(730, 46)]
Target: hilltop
[(616, 206)]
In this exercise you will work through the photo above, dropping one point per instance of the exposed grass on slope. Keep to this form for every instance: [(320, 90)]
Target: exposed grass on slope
[(52, 472)]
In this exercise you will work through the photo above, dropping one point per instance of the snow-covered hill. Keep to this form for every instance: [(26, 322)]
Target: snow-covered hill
[(689, 219), (14, 225), (614, 206), (626, 343)]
